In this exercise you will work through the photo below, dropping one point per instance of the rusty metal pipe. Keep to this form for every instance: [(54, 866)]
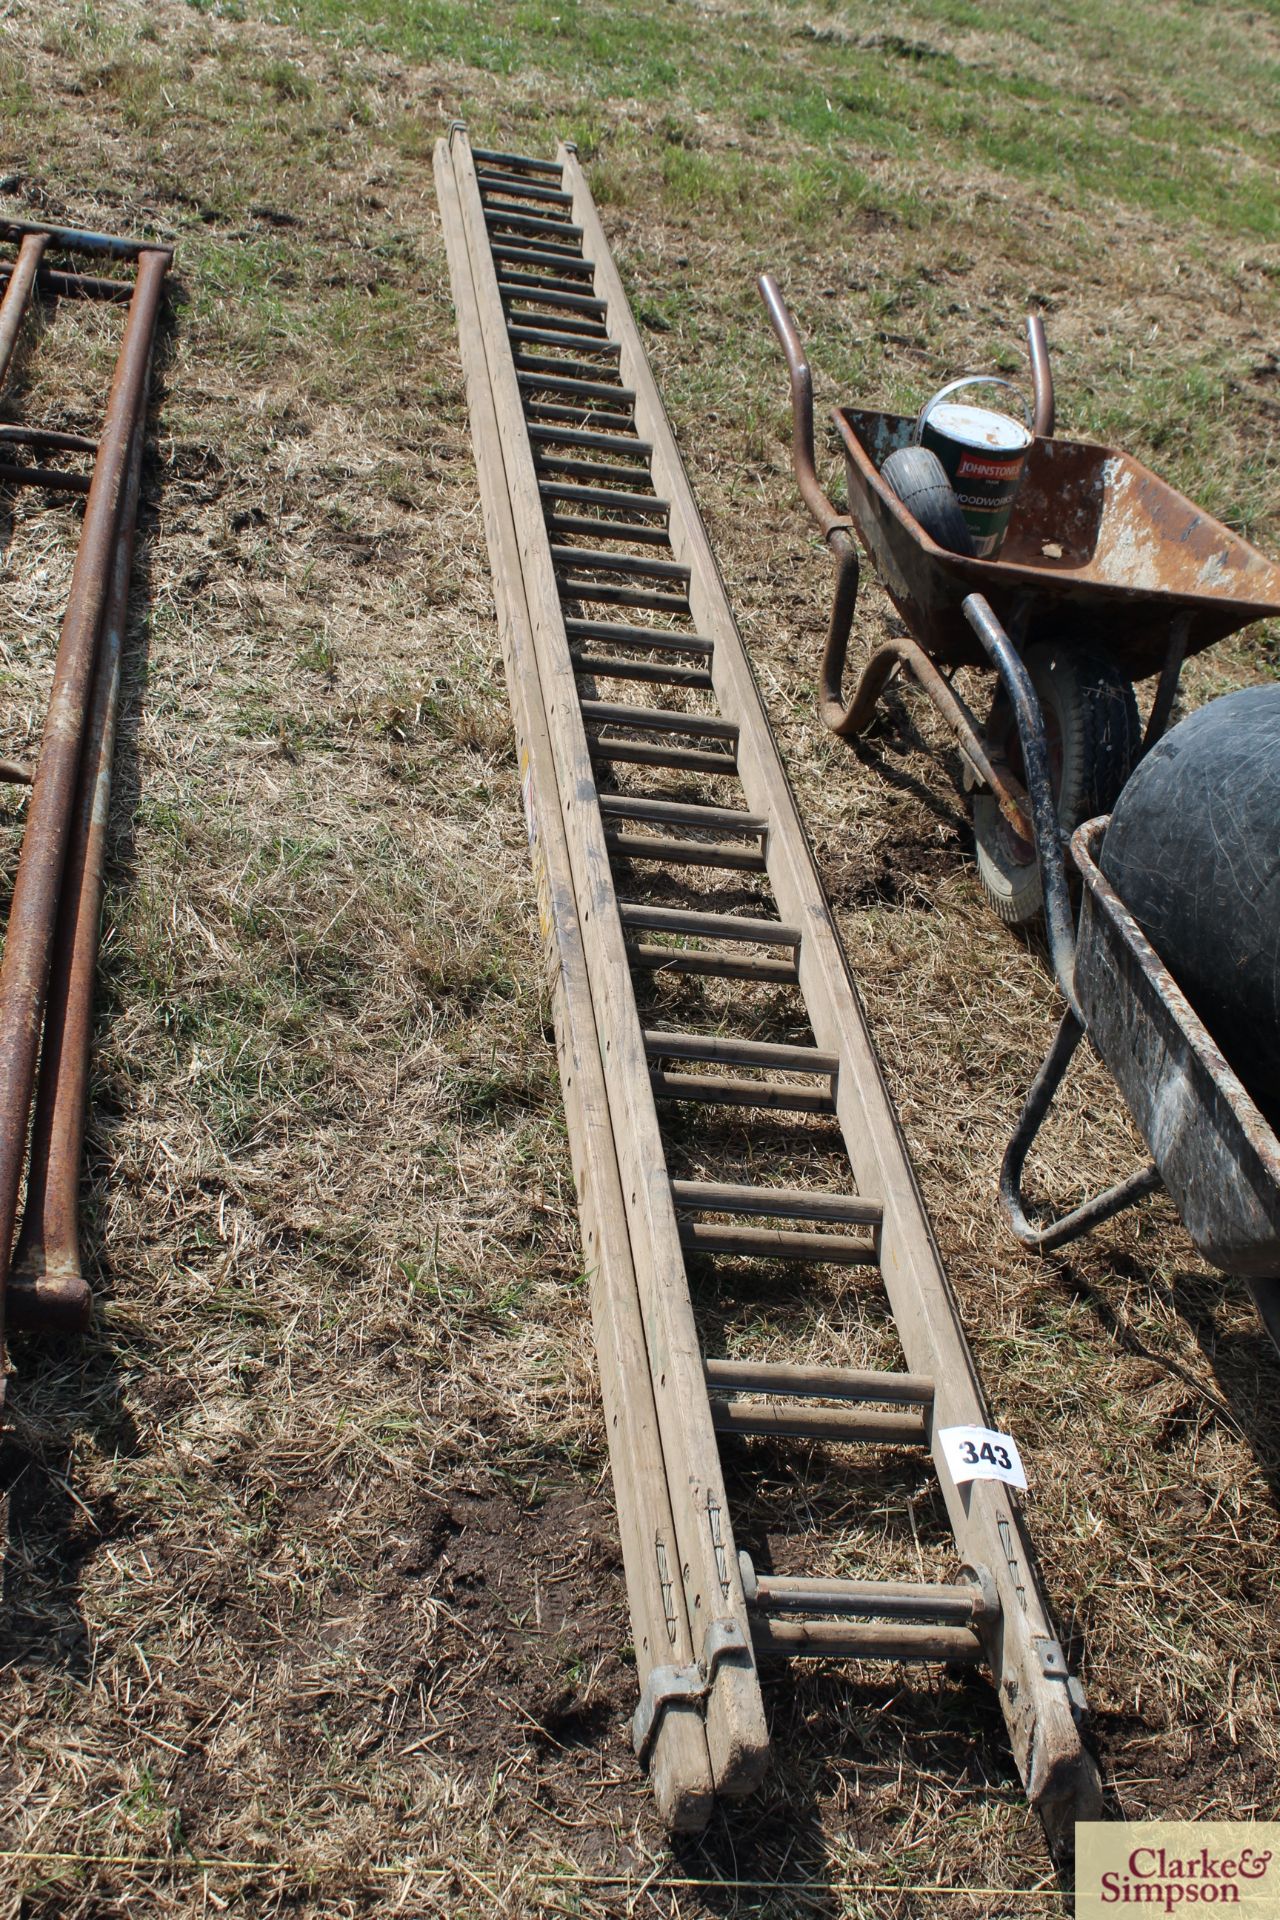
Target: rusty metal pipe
[(76, 286), (828, 517), (47, 437), (56, 479), (17, 294), (84, 240), (47, 1289), (1042, 420), (28, 944)]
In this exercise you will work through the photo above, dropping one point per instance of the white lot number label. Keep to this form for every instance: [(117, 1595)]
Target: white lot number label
[(979, 1453)]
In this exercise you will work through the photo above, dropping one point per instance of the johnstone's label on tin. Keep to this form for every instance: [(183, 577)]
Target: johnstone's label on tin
[(1177, 1867), (982, 455)]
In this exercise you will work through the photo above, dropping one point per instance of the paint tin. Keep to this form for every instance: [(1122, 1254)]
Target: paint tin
[(983, 454)]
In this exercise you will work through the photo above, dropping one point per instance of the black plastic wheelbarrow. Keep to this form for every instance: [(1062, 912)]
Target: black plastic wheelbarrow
[(1106, 576)]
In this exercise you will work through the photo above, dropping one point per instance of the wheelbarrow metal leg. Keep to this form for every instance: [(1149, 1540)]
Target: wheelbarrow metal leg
[(1082, 1219), (849, 720), (844, 721), (1167, 690)]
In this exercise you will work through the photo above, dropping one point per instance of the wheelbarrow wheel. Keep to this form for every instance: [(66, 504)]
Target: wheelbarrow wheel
[(1091, 728), (919, 480)]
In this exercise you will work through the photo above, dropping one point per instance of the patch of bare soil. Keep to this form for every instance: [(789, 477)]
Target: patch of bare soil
[(529, 1667)]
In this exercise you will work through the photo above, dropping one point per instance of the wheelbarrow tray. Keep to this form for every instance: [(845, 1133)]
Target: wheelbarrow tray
[(1100, 553), (1211, 1145)]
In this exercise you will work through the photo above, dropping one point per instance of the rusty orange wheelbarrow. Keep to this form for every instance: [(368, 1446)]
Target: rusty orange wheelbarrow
[(1106, 576)]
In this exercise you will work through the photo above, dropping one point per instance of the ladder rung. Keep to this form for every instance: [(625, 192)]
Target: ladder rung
[(685, 813), (601, 666), (584, 469), (576, 586), (602, 593), (639, 531), (515, 282), (863, 1640), (775, 1203), (818, 1383), (697, 726), (777, 1243), (526, 189), (727, 1050), (866, 1599), (656, 638), (589, 560), (534, 223), (533, 220), (728, 855), (538, 395), (530, 346), (581, 342), (491, 157), (588, 336), (722, 1090), (847, 1426), (576, 412), (572, 265), (582, 415), (707, 926), (606, 442), (622, 398), (645, 753), (713, 964), (531, 291), (564, 260), (640, 503)]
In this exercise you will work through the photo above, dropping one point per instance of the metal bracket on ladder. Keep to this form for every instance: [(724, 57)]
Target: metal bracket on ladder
[(691, 1683)]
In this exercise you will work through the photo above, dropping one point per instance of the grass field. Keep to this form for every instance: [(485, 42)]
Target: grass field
[(311, 1601)]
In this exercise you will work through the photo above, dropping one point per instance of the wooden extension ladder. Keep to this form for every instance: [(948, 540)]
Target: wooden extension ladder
[(603, 571)]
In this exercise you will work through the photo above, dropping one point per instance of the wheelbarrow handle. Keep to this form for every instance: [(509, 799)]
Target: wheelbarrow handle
[(827, 516), (1041, 377)]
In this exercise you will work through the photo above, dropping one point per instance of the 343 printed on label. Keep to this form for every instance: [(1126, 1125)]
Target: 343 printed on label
[(981, 1453)]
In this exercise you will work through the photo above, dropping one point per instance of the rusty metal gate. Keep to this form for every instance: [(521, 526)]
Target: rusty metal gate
[(603, 572), (50, 949)]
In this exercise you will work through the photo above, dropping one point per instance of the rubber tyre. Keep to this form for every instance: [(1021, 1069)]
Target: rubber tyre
[(1091, 724), (1193, 850), (919, 479)]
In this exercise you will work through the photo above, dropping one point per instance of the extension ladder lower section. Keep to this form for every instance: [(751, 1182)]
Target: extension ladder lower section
[(670, 860)]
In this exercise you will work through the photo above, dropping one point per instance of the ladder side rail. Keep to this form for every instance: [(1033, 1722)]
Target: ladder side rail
[(737, 1734), (984, 1515), (679, 1765)]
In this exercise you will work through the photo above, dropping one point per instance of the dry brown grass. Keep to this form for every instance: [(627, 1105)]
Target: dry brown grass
[(309, 1560)]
